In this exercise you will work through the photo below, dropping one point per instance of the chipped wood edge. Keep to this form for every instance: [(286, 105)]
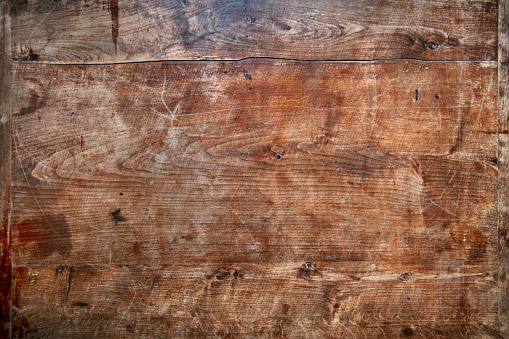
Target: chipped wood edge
[(5, 172), (503, 151)]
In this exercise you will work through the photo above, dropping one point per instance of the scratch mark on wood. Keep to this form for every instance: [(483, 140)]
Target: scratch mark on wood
[(245, 145), (284, 245), (172, 114), (151, 11), (15, 134), (432, 202), (69, 282), (41, 21), (128, 306)]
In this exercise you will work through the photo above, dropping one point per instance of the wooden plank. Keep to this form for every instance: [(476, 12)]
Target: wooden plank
[(262, 197), (503, 135), (260, 299), (215, 171), (157, 229), (5, 171), (138, 30), (255, 198)]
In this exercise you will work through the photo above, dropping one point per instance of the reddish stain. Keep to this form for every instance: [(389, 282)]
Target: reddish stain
[(188, 237), (45, 236)]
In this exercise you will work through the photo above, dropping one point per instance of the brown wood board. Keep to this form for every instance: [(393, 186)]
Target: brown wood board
[(235, 164), (138, 30), (168, 171)]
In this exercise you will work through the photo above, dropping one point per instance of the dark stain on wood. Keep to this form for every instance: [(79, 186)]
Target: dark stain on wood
[(34, 104), (407, 332), (116, 216), (114, 12), (17, 6), (80, 304), (247, 75), (20, 326), (47, 235), (25, 54), (309, 270), (222, 273)]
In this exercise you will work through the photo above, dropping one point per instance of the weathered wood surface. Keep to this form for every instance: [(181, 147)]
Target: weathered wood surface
[(262, 299), (503, 134), (260, 197), (5, 172), (140, 30), (251, 151), (183, 198)]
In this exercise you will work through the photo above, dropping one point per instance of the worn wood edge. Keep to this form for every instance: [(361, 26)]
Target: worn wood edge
[(5, 173), (503, 137)]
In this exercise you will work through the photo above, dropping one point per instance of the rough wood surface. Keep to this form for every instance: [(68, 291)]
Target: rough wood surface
[(503, 133), (248, 149), (261, 197), (140, 30), (262, 299), (5, 172), (167, 171)]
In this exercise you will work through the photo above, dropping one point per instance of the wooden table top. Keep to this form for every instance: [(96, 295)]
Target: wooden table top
[(227, 168)]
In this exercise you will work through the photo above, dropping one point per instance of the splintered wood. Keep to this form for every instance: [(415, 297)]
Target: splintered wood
[(259, 171)]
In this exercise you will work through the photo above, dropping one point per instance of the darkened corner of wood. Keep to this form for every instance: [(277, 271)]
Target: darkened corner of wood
[(5, 172), (503, 109)]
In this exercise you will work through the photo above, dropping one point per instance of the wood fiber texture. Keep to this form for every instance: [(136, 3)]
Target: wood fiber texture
[(5, 172), (168, 171), (139, 30), (503, 132), (259, 167)]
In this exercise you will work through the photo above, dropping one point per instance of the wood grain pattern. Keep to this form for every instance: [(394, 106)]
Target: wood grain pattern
[(137, 30), (503, 132), (258, 198), (238, 299), (5, 172), (208, 154), (228, 168)]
